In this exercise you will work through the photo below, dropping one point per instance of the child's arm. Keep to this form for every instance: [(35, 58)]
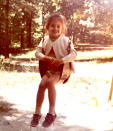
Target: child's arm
[(40, 56), (71, 56), (68, 58), (40, 53)]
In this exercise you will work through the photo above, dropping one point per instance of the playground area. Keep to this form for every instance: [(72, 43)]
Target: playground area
[(82, 103), (85, 102)]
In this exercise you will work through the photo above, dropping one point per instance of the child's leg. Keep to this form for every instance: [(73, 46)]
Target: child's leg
[(40, 94), (52, 81), (39, 100), (51, 116)]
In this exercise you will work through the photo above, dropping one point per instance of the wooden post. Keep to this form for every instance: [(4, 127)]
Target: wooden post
[(111, 91)]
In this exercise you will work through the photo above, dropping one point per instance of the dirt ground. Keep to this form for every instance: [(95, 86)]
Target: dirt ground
[(82, 103)]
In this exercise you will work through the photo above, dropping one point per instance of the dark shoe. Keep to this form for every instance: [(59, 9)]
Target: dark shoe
[(49, 119), (35, 120)]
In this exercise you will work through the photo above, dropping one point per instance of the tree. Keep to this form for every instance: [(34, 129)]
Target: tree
[(4, 27), (25, 13), (69, 8)]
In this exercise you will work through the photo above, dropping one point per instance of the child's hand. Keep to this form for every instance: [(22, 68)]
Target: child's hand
[(55, 64), (48, 59)]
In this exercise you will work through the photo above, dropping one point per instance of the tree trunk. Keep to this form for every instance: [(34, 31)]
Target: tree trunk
[(7, 41), (29, 24), (22, 38), (22, 45)]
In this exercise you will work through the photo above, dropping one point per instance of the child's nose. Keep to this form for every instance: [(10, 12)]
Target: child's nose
[(55, 28)]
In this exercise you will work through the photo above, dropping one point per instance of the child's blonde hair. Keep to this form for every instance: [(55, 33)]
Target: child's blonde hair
[(59, 17)]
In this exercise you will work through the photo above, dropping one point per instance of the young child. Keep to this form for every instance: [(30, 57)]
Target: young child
[(55, 54)]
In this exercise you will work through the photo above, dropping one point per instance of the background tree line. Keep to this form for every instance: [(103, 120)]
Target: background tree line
[(22, 22)]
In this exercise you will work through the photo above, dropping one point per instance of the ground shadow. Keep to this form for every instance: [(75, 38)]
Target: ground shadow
[(6, 108), (59, 125), (22, 123)]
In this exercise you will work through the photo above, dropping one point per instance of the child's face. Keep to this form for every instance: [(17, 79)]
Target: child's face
[(55, 29)]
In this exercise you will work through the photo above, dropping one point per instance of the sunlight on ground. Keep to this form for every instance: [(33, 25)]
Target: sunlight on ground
[(30, 54), (83, 100), (92, 89)]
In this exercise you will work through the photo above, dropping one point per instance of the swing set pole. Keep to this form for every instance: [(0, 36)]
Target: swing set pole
[(111, 91)]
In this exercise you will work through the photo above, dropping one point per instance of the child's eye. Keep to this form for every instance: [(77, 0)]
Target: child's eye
[(52, 25), (58, 26)]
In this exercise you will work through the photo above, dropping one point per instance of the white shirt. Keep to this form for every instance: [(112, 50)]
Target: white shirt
[(60, 47)]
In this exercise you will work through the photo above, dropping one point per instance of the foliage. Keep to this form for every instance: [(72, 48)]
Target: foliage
[(22, 22)]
